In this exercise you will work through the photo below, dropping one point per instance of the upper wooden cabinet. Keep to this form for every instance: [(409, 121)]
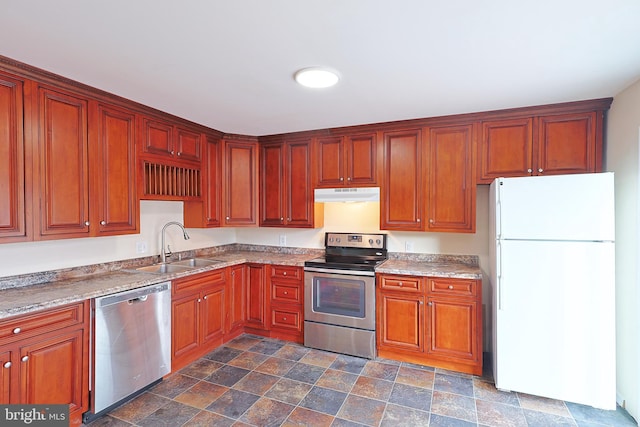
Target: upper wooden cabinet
[(114, 206), (451, 193), (207, 212), (13, 221), (350, 160), (286, 194), (540, 145), (240, 183), (164, 139), (402, 190)]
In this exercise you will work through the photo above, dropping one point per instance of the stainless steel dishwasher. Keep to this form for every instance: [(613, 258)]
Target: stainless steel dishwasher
[(132, 343)]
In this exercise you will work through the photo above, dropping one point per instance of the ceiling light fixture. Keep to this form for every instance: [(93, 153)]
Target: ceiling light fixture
[(316, 77)]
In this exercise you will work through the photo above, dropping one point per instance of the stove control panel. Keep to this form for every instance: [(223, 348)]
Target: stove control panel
[(356, 240)]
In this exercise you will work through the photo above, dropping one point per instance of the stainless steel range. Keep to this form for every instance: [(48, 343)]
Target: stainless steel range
[(339, 294)]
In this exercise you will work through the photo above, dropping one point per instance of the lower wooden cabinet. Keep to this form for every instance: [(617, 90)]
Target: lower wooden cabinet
[(197, 316), (286, 308), (236, 296), (44, 359), (430, 321), (257, 299)]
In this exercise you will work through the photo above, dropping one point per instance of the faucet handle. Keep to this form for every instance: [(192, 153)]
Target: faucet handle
[(168, 253)]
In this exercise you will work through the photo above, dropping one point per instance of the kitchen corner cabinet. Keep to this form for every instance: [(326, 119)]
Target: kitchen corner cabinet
[(197, 316), (430, 321), (350, 160), (207, 212), (44, 359), (401, 202), (240, 183), (286, 304), (13, 220), (451, 192), (286, 194), (540, 145)]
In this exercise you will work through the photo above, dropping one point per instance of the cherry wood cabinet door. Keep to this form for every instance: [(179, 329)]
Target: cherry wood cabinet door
[(454, 329), (63, 198), (505, 149), (185, 313), (207, 213), (400, 321), (188, 144), (12, 157), (451, 187), (299, 192), (256, 302), (51, 370), (237, 296), (157, 137), (240, 178), (362, 160), (213, 314), (567, 144), (5, 377), (272, 188), (330, 158), (113, 170), (402, 198)]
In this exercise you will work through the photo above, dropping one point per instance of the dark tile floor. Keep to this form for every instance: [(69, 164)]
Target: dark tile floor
[(254, 381)]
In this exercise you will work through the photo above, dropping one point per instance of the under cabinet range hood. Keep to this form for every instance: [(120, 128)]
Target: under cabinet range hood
[(358, 194)]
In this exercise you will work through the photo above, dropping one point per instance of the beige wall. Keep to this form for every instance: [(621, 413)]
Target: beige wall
[(622, 157)]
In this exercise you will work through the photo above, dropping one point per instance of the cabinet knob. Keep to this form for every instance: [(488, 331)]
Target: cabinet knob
[(25, 358), (205, 297), (539, 169), (418, 220), (430, 221), (16, 330), (450, 286), (348, 178), (399, 283), (86, 223), (199, 300), (281, 218), (284, 318), (103, 222), (284, 273), (7, 365), (429, 303), (286, 293), (529, 170), (341, 179), (172, 152), (179, 153), (227, 218)]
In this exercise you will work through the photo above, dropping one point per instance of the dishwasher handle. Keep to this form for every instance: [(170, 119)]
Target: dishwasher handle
[(133, 296)]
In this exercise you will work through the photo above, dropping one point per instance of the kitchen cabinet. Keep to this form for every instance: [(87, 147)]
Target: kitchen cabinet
[(236, 294), (165, 140), (207, 212), (401, 199), (540, 145), (114, 205), (430, 321), (257, 302), (13, 220), (240, 183), (286, 194), (197, 316), (350, 160), (44, 358), (451, 192), (286, 304)]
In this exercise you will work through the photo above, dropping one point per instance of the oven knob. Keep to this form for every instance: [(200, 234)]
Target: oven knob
[(371, 241), (378, 241), (337, 240)]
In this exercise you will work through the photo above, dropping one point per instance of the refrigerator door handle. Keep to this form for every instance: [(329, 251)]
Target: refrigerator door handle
[(499, 273)]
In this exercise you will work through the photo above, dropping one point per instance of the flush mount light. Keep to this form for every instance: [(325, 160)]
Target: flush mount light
[(316, 77)]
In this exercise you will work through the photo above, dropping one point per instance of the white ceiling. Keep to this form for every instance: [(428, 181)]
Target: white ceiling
[(229, 64)]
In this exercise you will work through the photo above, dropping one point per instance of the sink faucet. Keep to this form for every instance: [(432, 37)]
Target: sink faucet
[(163, 254)]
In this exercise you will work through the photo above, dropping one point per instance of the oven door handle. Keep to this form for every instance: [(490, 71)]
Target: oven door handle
[(344, 272)]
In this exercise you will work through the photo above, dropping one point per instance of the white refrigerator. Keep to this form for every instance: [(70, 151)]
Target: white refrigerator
[(553, 289)]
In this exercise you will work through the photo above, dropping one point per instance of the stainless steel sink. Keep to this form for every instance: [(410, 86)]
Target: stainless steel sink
[(196, 262), (164, 268)]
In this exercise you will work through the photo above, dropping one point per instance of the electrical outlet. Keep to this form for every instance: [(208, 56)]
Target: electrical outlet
[(408, 246), (283, 240), (141, 247)]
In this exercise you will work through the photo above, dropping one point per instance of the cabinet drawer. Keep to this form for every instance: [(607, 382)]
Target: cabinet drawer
[(288, 318), (458, 287), (41, 322), (401, 283), (289, 293), (286, 272), (195, 283)]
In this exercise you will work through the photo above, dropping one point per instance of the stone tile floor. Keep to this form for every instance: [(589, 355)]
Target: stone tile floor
[(255, 381)]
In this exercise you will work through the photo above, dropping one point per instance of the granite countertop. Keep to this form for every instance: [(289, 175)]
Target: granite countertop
[(29, 293)]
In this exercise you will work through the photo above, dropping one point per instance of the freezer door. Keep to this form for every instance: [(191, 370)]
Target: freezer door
[(555, 321), (560, 207)]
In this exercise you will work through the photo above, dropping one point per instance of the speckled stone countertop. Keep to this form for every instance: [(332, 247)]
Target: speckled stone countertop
[(37, 291)]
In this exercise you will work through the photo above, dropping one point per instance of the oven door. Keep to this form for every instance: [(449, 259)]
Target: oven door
[(340, 297)]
